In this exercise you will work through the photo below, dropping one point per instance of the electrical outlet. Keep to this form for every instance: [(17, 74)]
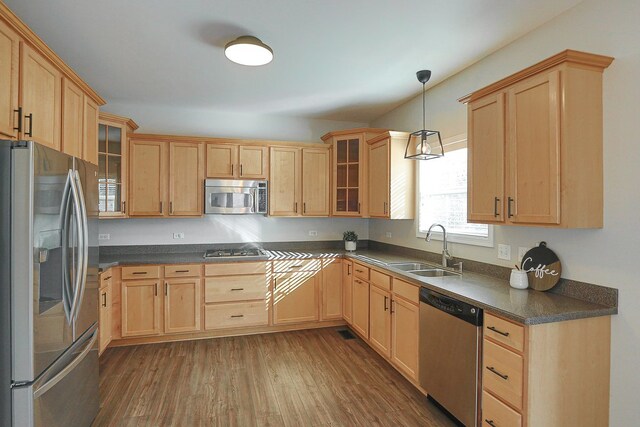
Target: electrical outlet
[(388, 234), (504, 252), (313, 233), (521, 252), (104, 236), (178, 235)]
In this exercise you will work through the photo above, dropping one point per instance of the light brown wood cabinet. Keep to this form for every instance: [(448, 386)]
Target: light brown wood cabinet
[(105, 310), (91, 113), (405, 323), (331, 289), (237, 161), (391, 178), (9, 81), (113, 163), (299, 181), (72, 119), (41, 98), (361, 307), (347, 291), (182, 305), (295, 297), (552, 374), (141, 307), (380, 320), (535, 145), (166, 179)]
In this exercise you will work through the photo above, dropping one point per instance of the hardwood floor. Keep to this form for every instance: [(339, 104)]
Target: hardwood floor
[(302, 378)]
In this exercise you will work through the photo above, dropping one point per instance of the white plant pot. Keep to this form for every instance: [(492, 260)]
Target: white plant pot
[(350, 246)]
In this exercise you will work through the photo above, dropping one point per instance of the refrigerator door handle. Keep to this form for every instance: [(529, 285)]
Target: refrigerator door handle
[(65, 212), (67, 369), (84, 250), (81, 245)]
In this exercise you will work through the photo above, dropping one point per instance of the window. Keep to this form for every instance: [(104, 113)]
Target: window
[(442, 198)]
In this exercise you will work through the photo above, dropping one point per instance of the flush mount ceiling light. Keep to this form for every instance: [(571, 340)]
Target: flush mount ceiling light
[(421, 150), (248, 50)]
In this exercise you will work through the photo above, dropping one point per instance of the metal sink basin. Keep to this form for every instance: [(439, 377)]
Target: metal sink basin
[(435, 272), (410, 266)]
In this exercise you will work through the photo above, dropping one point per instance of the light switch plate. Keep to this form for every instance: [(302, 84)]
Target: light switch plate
[(504, 252), (388, 234), (313, 233), (178, 235), (104, 236)]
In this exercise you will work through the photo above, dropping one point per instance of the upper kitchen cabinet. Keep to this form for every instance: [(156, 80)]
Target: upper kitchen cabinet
[(535, 145), (391, 179), (10, 114), (349, 171), (166, 177), (299, 181), (112, 155), (235, 161), (41, 98)]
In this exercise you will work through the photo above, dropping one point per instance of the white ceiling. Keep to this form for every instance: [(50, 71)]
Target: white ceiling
[(351, 60)]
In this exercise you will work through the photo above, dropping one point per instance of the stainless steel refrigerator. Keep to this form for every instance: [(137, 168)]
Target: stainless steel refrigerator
[(48, 287)]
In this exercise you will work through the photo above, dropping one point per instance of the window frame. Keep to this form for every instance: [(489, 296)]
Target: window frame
[(451, 144)]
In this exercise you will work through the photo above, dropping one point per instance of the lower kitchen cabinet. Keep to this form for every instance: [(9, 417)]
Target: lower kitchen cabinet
[(405, 321), (380, 320), (104, 312), (347, 291), (361, 307), (236, 315), (331, 289), (295, 297), (182, 305), (141, 312)]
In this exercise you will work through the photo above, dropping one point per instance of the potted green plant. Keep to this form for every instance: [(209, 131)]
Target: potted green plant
[(350, 240)]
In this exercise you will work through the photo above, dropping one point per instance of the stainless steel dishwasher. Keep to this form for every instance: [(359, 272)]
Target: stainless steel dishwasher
[(450, 338)]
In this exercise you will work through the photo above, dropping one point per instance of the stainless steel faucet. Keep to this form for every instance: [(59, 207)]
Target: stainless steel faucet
[(445, 253)]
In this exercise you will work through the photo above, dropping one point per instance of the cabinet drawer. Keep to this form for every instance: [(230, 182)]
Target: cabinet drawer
[(141, 272), (106, 278), (381, 280), (184, 270), (292, 265), (503, 331), (496, 413), (361, 271), (502, 372), (406, 290), (235, 315), (233, 268), (235, 288)]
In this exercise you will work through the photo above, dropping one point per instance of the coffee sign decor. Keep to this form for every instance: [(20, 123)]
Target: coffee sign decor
[(542, 266)]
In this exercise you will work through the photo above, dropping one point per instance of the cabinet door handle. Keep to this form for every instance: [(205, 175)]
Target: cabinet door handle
[(166, 288), (240, 169), (231, 168), (492, 369), (124, 207), (358, 207), (509, 200), (348, 269), (237, 316), (359, 271), (385, 303), (295, 207), (385, 208), (275, 283), (171, 208), (139, 272), (19, 127), (106, 278), (497, 331), (182, 271), (392, 310), (490, 422), (156, 289), (104, 299), (30, 131), (304, 207), (237, 289), (161, 207), (495, 206)]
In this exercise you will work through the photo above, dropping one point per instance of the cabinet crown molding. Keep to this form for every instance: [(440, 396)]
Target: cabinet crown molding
[(343, 132), (388, 134), (575, 57), (125, 121)]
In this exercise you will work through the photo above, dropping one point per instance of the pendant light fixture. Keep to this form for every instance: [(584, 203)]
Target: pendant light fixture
[(421, 150), (248, 50)]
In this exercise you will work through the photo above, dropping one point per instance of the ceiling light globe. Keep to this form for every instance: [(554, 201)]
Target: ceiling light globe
[(248, 50)]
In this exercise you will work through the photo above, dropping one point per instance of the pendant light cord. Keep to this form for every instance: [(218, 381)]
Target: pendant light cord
[(424, 117)]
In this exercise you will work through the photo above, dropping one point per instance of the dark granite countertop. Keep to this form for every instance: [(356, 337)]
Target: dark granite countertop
[(489, 293)]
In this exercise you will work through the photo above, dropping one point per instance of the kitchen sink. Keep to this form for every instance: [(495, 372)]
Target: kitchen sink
[(435, 272), (410, 266)]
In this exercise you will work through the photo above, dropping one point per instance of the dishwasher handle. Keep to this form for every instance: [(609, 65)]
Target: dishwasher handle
[(452, 306)]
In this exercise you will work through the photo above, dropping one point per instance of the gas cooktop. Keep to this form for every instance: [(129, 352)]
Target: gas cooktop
[(235, 253)]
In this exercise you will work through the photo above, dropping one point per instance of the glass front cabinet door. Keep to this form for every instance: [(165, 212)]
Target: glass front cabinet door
[(112, 164)]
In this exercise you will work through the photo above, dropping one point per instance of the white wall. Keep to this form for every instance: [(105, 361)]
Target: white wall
[(201, 122), (607, 256), (228, 229)]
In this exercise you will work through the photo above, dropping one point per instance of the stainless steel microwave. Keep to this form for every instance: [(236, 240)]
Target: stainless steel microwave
[(235, 196)]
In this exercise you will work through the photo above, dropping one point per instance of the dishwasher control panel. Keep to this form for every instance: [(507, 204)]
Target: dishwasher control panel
[(460, 309)]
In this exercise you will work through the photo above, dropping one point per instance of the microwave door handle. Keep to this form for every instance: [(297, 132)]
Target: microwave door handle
[(65, 213), (84, 247), (254, 199)]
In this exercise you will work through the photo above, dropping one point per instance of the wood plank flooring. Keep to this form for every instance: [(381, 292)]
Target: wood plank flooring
[(302, 378)]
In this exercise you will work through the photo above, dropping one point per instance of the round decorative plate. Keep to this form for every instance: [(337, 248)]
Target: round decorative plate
[(542, 266)]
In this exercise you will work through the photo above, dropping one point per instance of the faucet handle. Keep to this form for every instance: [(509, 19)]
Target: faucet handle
[(459, 265)]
